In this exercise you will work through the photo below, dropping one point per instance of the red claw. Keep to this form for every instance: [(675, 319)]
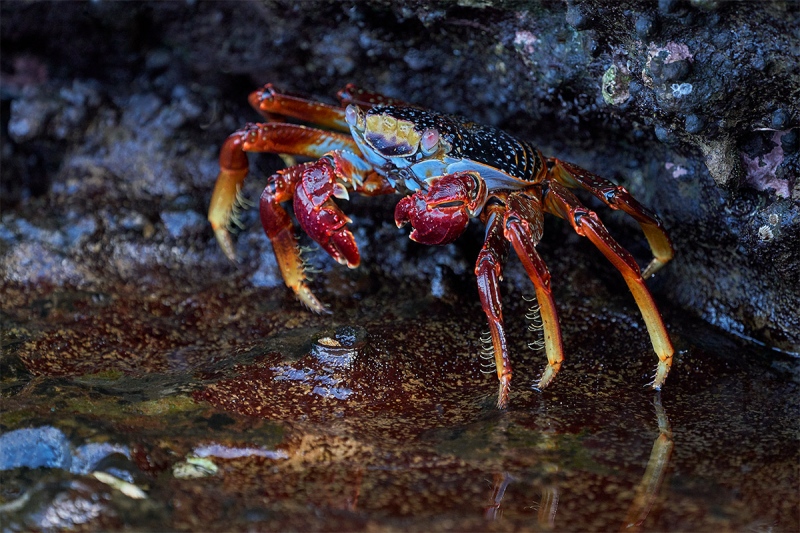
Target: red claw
[(441, 214), (320, 217), (432, 224)]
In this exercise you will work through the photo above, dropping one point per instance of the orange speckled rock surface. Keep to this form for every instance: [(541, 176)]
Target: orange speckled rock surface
[(233, 408)]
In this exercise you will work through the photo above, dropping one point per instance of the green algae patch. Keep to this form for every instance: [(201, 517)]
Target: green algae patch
[(163, 406)]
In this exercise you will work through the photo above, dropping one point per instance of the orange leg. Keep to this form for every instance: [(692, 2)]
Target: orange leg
[(272, 103), (275, 138), (617, 197), (561, 202), (280, 230), (519, 221), (489, 271), (523, 227)]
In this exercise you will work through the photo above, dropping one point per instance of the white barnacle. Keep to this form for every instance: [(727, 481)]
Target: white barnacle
[(681, 89)]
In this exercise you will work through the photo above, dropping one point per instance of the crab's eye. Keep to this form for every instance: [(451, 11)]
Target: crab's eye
[(429, 140), (354, 116)]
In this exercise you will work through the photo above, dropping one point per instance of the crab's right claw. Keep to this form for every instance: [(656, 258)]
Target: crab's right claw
[(319, 216), (311, 185), (233, 170)]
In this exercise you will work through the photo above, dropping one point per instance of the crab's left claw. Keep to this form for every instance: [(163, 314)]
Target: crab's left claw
[(441, 214)]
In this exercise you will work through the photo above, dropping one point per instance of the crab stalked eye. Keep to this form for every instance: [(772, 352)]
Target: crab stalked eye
[(429, 141), (354, 116)]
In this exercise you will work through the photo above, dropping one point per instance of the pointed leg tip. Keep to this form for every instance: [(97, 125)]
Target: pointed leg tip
[(503, 392), (547, 377), (654, 266), (502, 403), (317, 307), (231, 255), (311, 302), (226, 243), (662, 370)]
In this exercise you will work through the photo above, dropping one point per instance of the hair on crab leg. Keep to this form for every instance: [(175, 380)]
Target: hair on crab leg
[(240, 203), (561, 202), (537, 271), (488, 270)]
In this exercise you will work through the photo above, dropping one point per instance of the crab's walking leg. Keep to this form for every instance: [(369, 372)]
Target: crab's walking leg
[(489, 271), (276, 138), (617, 197), (561, 202), (280, 230), (272, 103), (233, 167), (523, 227)]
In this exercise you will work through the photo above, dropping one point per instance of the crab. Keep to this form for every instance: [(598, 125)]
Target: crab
[(448, 171)]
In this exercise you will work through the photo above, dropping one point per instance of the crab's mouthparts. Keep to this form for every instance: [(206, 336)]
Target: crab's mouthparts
[(451, 203)]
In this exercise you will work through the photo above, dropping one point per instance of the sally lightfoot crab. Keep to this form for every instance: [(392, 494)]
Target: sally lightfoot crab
[(449, 171)]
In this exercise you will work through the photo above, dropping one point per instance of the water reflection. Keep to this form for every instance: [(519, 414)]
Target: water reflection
[(646, 492), (548, 505), (501, 482), (650, 486)]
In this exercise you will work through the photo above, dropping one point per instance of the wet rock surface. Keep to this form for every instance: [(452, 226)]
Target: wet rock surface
[(257, 414), (163, 388)]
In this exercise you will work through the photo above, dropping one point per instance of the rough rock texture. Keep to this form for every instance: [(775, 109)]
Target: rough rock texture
[(112, 115)]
